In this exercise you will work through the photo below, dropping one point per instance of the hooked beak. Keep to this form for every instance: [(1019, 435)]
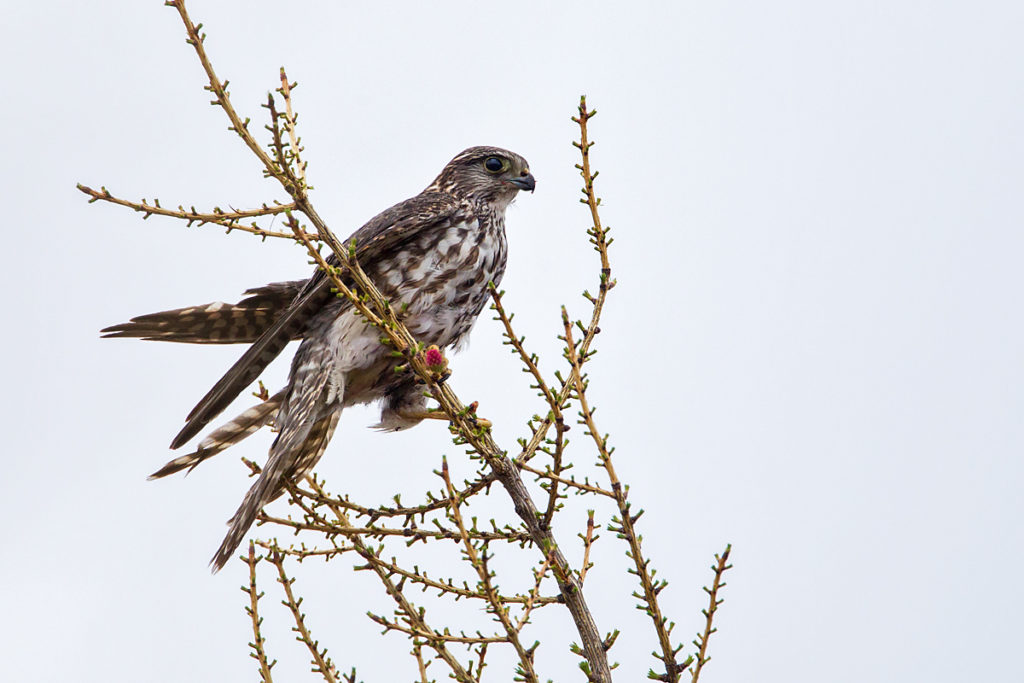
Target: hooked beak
[(525, 182)]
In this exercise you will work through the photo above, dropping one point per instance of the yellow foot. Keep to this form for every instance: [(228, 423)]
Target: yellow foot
[(440, 415)]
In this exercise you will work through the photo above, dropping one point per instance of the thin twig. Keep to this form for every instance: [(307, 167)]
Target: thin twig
[(533, 599), (719, 567), (624, 526), (588, 541), (377, 532), (290, 120), (384, 317), (582, 486), (223, 97), (530, 361), (626, 519), (390, 625), (228, 219), (258, 651), (322, 664), (598, 237), (421, 664)]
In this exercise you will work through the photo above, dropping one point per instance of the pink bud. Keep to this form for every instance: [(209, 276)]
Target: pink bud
[(435, 360)]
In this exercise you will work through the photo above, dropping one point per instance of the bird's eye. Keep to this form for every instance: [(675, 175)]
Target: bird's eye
[(495, 164)]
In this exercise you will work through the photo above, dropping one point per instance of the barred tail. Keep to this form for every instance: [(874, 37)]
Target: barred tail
[(225, 436), (271, 484), (214, 323)]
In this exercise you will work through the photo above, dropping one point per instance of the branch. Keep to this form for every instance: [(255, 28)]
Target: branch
[(626, 521), (417, 534), (598, 237), (533, 599), (417, 652), (258, 653), (420, 577), (223, 97), (720, 567), (322, 664), (290, 120), (583, 487), (414, 617), (390, 625), (588, 541), (228, 219), (530, 360)]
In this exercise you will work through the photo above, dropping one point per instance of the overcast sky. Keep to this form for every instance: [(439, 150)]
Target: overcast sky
[(814, 352)]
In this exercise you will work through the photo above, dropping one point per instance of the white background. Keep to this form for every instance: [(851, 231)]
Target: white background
[(814, 351)]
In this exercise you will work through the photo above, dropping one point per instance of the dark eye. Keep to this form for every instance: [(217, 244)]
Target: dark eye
[(494, 165)]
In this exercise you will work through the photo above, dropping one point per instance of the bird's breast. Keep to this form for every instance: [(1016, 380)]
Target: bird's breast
[(446, 288)]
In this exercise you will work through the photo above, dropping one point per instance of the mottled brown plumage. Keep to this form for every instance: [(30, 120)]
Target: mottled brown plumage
[(217, 322), (432, 255)]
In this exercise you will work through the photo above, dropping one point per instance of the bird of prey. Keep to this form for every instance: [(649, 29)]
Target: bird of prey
[(431, 256)]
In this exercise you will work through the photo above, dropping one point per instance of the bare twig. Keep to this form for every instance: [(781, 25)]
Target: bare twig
[(322, 664), (419, 576), (222, 99), (582, 486), (598, 237), (577, 354), (555, 407), (421, 664), (258, 652), (428, 636), (417, 534), (719, 567), (623, 525), (228, 219), (529, 360), (290, 120), (533, 599), (506, 473), (588, 541)]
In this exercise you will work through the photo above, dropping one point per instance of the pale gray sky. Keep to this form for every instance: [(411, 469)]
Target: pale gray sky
[(821, 203)]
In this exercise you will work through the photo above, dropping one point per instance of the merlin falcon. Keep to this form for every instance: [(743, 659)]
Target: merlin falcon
[(432, 256)]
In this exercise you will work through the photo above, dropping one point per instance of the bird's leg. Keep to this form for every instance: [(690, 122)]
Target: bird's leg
[(405, 405), (412, 415), (415, 415)]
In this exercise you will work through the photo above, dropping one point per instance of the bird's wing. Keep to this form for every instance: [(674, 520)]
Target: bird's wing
[(374, 241), (214, 323)]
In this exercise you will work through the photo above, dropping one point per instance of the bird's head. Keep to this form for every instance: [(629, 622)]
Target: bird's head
[(485, 174)]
